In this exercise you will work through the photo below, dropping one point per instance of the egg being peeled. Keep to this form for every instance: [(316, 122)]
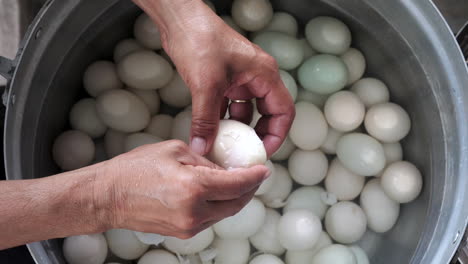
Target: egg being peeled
[(237, 146)]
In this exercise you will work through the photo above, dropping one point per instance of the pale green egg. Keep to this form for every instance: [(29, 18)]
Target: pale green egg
[(328, 35), (290, 83), (287, 50), (323, 74)]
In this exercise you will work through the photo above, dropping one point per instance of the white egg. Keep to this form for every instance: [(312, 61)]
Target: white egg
[(192, 245), (344, 111), (122, 111), (308, 167), (147, 32), (318, 100), (145, 70), (158, 256), (329, 146), (299, 230), (125, 244), (100, 154), (307, 198), (268, 183), (255, 116), (231, 251), (73, 150), (266, 259), (237, 146), (136, 140), (387, 122), (402, 182), (85, 249), (286, 50), (286, 149), (125, 47), (181, 126), (166, 56), (334, 254), (101, 76), (360, 255), (308, 50), (149, 238), (356, 64), (346, 222), (114, 142), (323, 74), (176, 93), (328, 35), (304, 256), (243, 224), (149, 97), (230, 22), (84, 117), (381, 211), (282, 186), (289, 83), (160, 126), (343, 183), (393, 152), (281, 22), (252, 15), (266, 239), (309, 129), (361, 154), (371, 91)]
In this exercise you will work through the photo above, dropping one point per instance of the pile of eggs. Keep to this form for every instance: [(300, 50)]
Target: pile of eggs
[(339, 172)]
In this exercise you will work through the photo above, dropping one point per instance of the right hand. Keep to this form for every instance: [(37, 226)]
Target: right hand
[(170, 190)]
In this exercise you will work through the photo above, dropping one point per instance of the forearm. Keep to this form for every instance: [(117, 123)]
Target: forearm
[(51, 207)]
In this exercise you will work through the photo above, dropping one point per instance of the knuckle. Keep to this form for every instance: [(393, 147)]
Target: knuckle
[(189, 222), (203, 126), (177, 146)]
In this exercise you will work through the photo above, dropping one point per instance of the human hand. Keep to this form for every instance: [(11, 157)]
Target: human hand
[(168, 189)]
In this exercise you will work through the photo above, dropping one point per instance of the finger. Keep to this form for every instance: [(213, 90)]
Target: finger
[(241, 111), (223, 209), (222, 185), (224, 108)]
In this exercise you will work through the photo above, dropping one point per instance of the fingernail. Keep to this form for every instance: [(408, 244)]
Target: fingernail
[(267, 174), (198, 145)]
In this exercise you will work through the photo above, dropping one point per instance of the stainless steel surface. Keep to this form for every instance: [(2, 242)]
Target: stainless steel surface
[(407, 44), (454, 11)]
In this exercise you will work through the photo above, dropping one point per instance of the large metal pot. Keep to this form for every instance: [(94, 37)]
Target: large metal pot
[(407, 44)]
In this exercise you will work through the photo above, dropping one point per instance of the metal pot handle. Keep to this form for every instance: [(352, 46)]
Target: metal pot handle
[(6, 68)]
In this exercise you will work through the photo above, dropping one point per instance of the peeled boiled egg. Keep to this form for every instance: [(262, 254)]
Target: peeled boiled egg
[(84, 117), (316, 99), (393, 152), (382, 212), (328, 35), (308, 167), (145, 70), (387, 122), (371, 91), (299, 230), (244, 224), (304, 256), (147, 33), (290, 83), (360, 255), (282, 186), (266, 239), (309, 129), (268, 183), (356, 64), (136, 140), (307, 198), (308, 50), (286, 149), (101, 76), (231, 251), (160, 126), (192, 245), (334, 254), (346, 222), (252, 15), (176, 93), (266, 259), (181, 126), (282, 22), (285, 49), (125, 47), (343, 183), (149, 97), (122, 111), (73, 150), (361, 154), (158, 256), (323, 74), (85, 249), (124, 244), (114, 142), (344, 111), (402, 182), (237, 146), (329, 146), (230, 22)]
